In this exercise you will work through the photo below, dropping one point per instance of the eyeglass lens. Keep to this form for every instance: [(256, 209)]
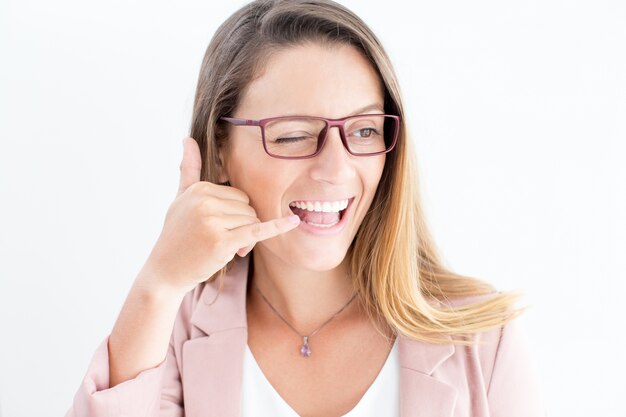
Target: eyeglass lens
[(299, 136)]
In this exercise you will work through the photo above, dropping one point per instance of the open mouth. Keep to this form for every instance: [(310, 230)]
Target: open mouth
[(301, 212)]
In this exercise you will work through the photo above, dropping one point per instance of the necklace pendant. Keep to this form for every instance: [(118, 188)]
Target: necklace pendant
[(305, 350)]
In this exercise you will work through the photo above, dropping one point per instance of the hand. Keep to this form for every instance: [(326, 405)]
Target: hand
[(205, 226)]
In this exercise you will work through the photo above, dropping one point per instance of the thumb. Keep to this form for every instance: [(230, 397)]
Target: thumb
[(190, 165)]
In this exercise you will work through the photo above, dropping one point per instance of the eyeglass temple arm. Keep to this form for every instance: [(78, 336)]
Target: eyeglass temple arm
[(240, 122)]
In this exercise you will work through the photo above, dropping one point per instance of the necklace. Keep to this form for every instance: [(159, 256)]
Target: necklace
[(305, 349)]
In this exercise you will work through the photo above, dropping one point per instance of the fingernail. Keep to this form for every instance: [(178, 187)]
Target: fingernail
[(294, 219)]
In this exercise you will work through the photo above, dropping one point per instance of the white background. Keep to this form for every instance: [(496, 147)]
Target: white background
[(517, 110)]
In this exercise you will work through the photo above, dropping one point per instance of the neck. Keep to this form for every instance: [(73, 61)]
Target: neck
[(304, 298)]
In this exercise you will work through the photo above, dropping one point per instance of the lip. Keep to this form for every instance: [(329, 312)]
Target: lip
[(329, 231)]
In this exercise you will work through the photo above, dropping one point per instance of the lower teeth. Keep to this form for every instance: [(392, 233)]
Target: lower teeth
[(322, 225)]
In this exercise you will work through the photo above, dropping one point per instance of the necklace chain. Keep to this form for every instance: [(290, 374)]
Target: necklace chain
[(305, 350)]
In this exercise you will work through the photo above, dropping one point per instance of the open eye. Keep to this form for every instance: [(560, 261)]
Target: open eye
[(369, 131)]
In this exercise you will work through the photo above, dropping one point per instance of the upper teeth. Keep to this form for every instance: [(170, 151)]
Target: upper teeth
[(325, 206)]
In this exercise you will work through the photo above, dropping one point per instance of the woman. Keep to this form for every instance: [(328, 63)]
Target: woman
[(337, 303)]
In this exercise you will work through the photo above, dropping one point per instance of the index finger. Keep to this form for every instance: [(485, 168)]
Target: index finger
[(255, 232)]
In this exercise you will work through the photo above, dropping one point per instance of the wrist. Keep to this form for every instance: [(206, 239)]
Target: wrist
[(156, 286)]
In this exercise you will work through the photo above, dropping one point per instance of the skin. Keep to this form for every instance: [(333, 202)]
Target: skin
[(305, 276)]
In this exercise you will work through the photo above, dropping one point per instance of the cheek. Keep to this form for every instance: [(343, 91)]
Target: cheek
[(265, 187), (248, 168), (374, 172)]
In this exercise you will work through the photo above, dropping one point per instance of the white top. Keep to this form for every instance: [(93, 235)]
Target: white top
[(260, 399)]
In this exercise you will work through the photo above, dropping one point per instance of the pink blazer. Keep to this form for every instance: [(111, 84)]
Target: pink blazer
[(201, 375)]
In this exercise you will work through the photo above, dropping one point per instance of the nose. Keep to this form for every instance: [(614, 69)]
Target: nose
[(333, 164)]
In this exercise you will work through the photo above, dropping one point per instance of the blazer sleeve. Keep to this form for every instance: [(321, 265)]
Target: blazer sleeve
[(514, 389), (153, 392)]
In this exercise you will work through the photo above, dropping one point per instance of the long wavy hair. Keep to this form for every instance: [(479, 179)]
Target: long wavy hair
[(394, 262)]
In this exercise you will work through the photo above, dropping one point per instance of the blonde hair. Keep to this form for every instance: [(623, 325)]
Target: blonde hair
[(394, 262)]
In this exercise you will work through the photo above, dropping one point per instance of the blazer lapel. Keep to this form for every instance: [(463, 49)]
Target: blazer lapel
[(421, 393), (213, 362)]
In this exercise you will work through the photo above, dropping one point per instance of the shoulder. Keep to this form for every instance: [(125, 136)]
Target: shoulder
[(500, 368), (494, 346), (497, 371)]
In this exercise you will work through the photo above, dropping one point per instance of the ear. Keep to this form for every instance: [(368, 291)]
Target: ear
[(222, 168)]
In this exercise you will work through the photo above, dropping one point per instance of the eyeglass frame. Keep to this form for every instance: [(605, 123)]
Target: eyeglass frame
[(340, 123)]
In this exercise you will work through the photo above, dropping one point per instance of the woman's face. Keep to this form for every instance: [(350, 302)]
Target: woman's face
[(308, 80)]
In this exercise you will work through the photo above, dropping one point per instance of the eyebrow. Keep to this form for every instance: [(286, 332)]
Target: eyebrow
[(362, 110), (375, 106)]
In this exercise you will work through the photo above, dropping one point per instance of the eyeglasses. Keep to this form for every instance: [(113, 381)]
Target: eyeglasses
[(301, 137)]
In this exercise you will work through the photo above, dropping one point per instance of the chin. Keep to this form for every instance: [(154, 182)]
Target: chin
[(320, 260)]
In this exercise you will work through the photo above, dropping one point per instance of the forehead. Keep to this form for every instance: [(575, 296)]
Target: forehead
[(315, 80)]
